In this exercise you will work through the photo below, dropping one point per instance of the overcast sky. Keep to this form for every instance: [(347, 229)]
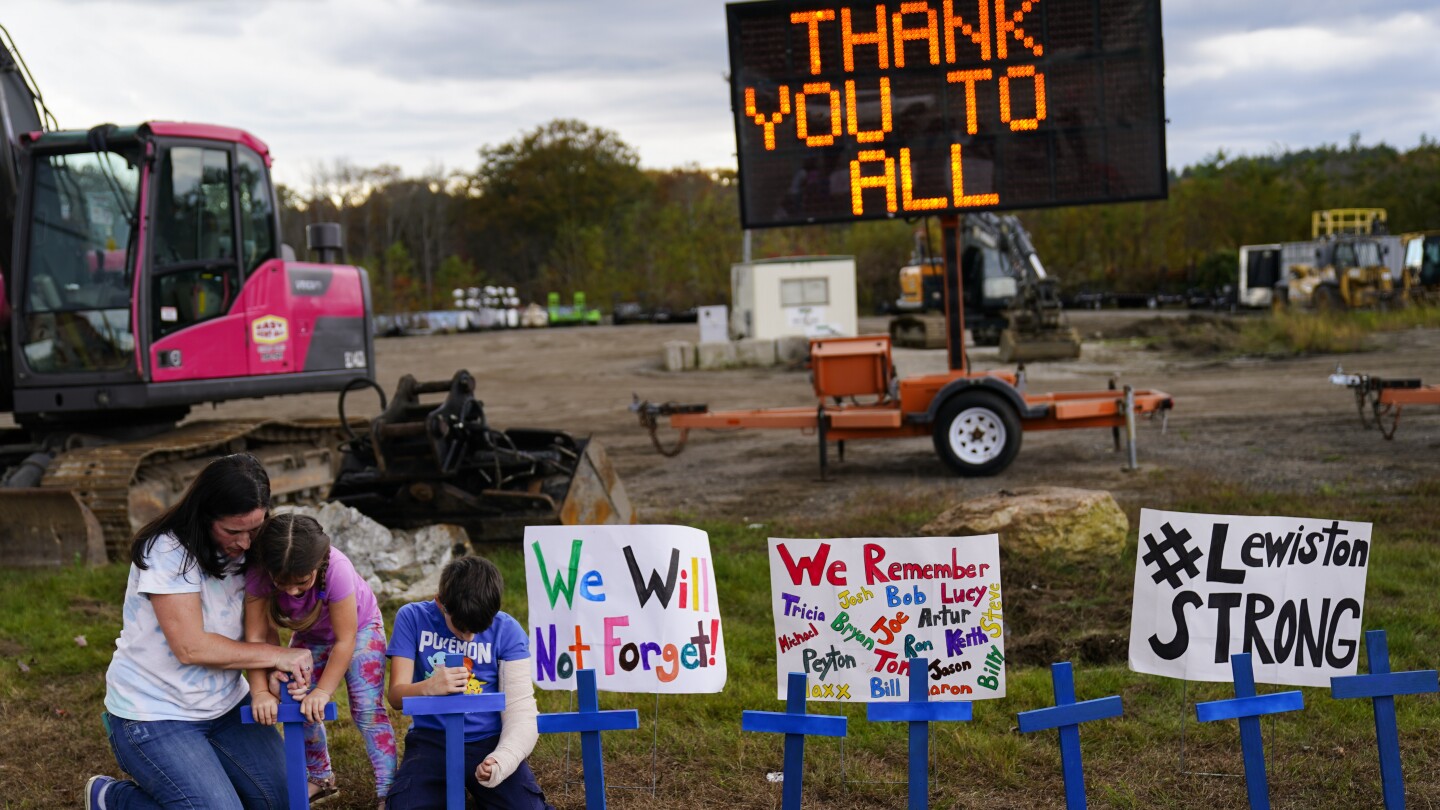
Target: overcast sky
[(424, 83)]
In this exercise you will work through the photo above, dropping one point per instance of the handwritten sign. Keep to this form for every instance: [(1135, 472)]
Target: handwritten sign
[(850, 614), (857, 109), (635, 603), (1289, 591)]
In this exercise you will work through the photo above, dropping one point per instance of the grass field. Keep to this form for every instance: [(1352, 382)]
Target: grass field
[(52, 688), (1284, 334)]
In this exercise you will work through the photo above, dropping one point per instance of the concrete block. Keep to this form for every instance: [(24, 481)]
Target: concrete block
[(679, 355), (755, 352), (715, 355), (791, 348)]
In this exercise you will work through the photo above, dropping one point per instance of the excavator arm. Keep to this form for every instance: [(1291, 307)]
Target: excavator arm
[(1036, 326)]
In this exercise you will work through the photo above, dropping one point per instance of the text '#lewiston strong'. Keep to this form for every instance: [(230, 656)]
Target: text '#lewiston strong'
[(1309, 631)]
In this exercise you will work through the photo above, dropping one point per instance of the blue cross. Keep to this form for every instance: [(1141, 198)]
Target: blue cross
[(1383, 685), (590, 721), (919, 712), (297, 783), (452, 710), (1248, 707), (1067, 715), (795, 724)]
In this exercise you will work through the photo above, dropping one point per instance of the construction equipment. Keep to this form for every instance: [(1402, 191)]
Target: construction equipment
[(574, 315), (1349, 272), (1421, 267), (421, 464), (975, 418), (1380, 401), (148, 277), (1348, 265), (1009, 299)]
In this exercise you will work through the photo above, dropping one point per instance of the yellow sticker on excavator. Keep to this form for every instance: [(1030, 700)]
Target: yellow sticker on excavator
[(269, 329)]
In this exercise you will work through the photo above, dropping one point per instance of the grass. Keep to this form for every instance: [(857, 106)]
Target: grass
[(1322, 757), (1284, 334)]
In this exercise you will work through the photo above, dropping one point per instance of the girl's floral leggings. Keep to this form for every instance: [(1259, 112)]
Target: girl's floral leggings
[(365, 682)]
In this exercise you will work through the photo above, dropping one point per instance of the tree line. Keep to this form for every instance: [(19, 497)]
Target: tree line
[(566, 207)]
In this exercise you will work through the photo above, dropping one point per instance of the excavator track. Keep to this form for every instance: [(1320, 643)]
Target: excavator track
[(126, 484)]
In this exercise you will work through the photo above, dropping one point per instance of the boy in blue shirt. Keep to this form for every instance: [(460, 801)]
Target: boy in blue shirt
[(465, 619)]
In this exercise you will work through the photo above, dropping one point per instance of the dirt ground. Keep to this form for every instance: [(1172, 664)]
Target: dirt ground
[(1271, 425)]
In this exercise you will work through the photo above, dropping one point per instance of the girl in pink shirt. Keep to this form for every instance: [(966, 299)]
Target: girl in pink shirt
[(296, 580)]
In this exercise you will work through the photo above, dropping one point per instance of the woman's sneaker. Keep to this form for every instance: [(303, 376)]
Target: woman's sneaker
[(95, 792)]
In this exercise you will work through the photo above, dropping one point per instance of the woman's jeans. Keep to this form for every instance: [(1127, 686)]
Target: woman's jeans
[(219, 764)]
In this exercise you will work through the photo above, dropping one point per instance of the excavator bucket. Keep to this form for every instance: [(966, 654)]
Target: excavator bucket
[(596, 495), (48, 528), (1058, 344), (426, 463), (918, 331)]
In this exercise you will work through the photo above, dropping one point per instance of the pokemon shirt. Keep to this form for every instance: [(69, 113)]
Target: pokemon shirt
[(145, 680), (420, 634)]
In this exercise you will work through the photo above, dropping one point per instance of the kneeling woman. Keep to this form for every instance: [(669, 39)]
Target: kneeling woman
[(174, 688)]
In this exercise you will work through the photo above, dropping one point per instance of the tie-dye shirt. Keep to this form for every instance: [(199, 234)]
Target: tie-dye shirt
[(145, 680)]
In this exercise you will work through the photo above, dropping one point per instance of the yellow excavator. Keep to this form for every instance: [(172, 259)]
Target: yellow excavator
[(1009, 299)]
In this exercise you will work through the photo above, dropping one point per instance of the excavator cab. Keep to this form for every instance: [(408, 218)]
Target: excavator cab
[(149, 277)]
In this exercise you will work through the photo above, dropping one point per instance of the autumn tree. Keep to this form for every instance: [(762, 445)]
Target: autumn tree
[(549, 208)]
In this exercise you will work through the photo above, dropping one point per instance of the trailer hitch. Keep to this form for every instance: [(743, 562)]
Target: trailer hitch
[(649, 414), (1379, 395)]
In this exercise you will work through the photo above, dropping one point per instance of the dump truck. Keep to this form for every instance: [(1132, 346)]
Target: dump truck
[(142, 274)]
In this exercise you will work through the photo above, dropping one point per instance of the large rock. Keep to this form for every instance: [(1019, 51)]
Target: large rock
[(397, 564), (1076, 524)]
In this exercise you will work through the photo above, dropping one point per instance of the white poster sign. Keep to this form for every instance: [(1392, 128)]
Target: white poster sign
[(1289, 591), (714, 323), (851, 613), (806, 320), (637, 604)]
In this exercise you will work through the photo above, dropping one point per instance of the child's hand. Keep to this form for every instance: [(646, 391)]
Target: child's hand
[(485, 769), (447, 681), (265, 707), (298, 691), (313, 706)]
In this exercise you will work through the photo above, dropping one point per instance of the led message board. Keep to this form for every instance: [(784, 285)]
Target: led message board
[(851, 110)]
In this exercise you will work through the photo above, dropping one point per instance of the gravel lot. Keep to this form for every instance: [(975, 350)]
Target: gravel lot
[(1274, 425)]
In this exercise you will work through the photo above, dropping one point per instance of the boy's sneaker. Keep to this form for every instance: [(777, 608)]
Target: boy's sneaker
[(95, 792)]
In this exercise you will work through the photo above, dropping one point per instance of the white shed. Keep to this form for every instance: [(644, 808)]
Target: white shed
[(800, 295)]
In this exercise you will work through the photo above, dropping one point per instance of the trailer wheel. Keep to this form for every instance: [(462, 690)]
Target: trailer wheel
[(977, 433)]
